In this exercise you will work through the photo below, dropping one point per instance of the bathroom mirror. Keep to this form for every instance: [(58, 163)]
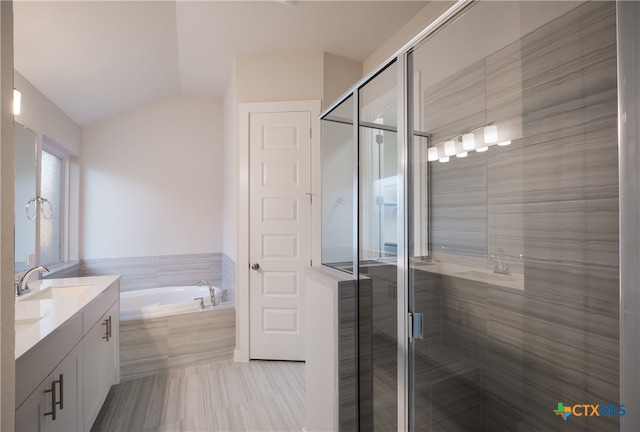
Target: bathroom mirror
[(25, 151)]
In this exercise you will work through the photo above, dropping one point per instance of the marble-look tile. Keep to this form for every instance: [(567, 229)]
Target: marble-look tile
[(188, 269), (136, 272), (573, 232), (157, 345), (552, 196), (427, 301), (566, 295), (464, 290), (365, 354), (347, 355), (456, 104), (542, 397), (456, 403), (569, 152), (201, 337), (157, 271), (223, 396), (458, 198), (566, 57), (229, 276), (504, 83), (144, 348)]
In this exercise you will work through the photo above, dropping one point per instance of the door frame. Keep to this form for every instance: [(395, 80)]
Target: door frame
[(242, 351)]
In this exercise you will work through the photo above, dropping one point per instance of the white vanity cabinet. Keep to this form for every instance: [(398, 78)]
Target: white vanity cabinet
[(70, 370), (101, 360), (56, 404)]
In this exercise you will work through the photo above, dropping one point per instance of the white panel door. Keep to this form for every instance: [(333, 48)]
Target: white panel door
[(279, 232)]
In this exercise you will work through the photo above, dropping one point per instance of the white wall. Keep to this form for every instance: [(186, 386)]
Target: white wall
[(152, 181), (230, 171), (405, 34), (45, 118), (339, 75), (279, 77)]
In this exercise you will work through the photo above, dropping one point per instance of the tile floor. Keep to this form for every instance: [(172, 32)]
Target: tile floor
[(223, 396)]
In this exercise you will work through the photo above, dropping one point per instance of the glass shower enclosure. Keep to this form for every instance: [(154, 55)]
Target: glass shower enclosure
[(472, 185)]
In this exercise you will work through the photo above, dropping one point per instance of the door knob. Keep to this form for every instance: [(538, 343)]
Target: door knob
[(255, 266)]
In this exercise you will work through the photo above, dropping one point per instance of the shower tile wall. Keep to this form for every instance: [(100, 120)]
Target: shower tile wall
[(550, 202), (158, 271)]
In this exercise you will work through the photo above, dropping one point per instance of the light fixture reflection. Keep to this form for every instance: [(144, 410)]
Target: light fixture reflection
[(468, 141), (482, 149), (449, 148), (460, 152), (444, 159), (490, 134), (432, 154), (504, 143), (17, 99)]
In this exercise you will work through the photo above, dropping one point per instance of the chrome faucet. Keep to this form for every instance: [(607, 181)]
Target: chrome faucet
[(501, 267), (21, 284), (211, 291)]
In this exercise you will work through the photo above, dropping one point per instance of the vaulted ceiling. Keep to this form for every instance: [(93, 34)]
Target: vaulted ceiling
[(96, 59)]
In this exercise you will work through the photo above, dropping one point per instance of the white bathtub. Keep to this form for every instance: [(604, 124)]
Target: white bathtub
[(157, 302)]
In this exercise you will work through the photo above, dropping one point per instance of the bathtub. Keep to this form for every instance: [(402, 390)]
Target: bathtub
[(166, 301), (164, 328)]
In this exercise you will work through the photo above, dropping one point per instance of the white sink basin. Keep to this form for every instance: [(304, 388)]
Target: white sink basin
[(59, 292)]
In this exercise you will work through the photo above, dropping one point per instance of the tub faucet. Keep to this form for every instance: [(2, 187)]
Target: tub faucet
[(501, 267), (21, 284), (211, 291)]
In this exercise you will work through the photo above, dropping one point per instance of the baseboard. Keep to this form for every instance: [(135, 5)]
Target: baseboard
[(240, 357)]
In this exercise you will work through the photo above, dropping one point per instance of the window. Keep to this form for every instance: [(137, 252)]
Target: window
[(54, 187), (51, 190)]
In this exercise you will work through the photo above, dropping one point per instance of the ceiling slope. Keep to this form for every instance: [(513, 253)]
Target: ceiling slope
[(97, 59)]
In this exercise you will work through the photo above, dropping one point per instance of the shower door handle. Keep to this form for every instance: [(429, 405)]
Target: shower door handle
[(255, 266), (416, 331)]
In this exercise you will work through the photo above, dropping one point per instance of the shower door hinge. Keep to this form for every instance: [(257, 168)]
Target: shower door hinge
[(415, 326)]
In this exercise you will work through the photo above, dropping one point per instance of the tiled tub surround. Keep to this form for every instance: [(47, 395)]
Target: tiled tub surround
[(166, 270), (549, 203), (229, 276), (158, 271), (156, 345)]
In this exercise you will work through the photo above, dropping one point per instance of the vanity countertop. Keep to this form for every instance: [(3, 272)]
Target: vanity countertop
[(36, 319)]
